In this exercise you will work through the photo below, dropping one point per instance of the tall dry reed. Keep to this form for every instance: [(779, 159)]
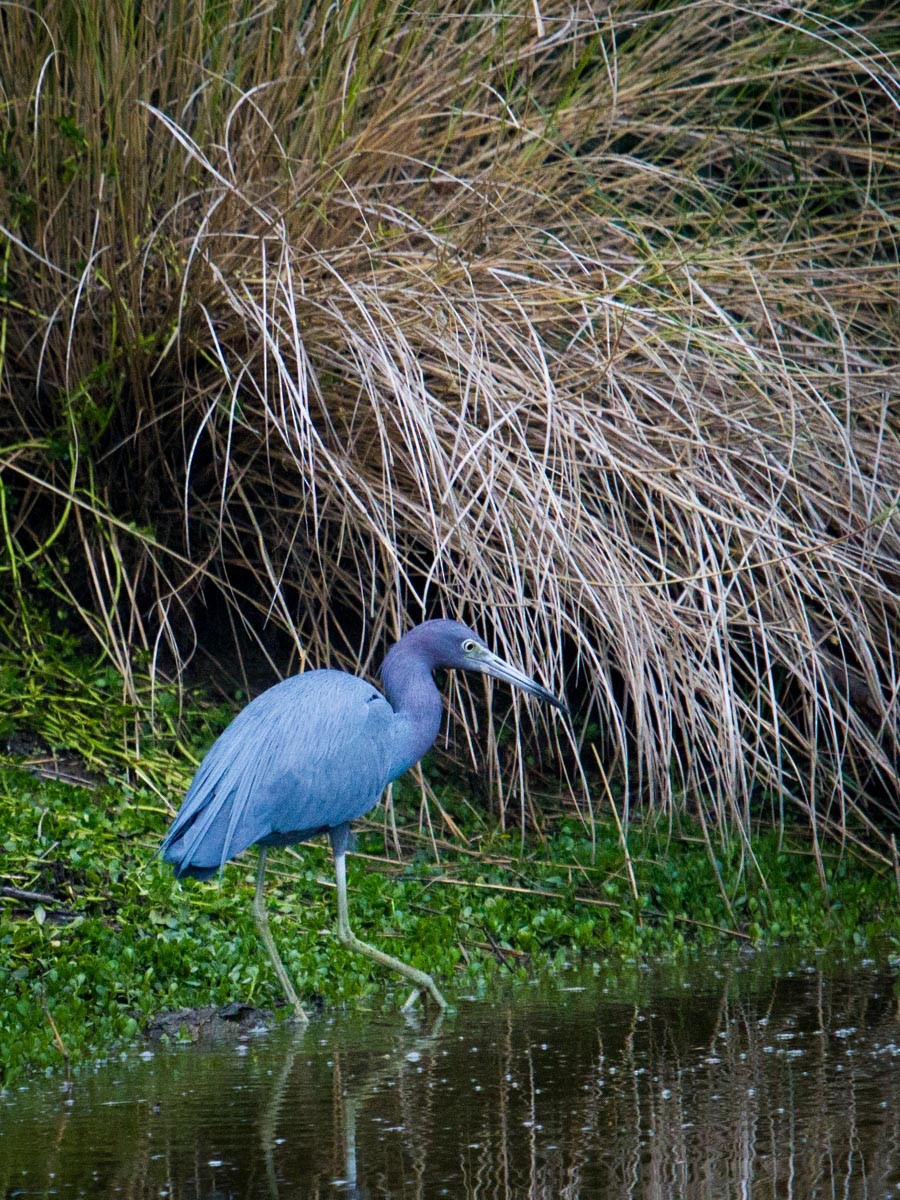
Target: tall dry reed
[(578, 321)]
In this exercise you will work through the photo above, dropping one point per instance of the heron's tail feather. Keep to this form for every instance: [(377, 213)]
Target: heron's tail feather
[(214, 823)]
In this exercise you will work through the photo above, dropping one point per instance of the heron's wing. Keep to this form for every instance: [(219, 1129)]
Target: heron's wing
[(307, 755)]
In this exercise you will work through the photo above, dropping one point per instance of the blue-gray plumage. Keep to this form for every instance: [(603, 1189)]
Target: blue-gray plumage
[(314, 753)]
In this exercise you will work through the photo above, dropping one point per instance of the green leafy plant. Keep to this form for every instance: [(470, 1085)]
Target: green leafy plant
[(96, 937)]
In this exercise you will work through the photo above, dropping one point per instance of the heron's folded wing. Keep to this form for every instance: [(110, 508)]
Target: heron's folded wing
[(308, 754)]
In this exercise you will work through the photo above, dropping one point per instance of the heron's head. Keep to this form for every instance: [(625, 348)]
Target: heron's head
[(452, 645)]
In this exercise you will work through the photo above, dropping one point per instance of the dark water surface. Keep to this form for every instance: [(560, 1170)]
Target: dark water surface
[(737, 1077)]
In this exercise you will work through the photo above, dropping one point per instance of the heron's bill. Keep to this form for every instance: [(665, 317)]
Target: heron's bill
[(498, 668)]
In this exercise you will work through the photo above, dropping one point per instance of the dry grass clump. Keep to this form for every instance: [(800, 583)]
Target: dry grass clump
[(575, 320)]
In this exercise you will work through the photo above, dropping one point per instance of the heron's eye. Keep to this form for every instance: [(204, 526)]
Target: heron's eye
[(469, 646)]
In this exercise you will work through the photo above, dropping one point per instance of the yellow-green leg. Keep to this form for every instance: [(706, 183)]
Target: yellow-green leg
[(425, 985), (261, 917)]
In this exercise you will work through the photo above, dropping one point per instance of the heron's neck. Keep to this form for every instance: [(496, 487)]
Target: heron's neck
[(416, 701)]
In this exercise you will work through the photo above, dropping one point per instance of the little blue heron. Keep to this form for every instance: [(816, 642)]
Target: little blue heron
[(314, 753)]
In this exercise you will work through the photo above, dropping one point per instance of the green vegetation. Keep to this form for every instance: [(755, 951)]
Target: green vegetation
[(96, 937), (579, 325), (108, 938)]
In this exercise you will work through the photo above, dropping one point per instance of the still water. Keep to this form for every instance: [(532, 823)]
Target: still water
[(728, 1077)]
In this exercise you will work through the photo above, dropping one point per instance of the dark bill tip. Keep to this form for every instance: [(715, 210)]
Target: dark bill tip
[(500, 669)]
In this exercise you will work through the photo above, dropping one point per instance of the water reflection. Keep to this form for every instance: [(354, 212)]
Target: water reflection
[(738, 1077)]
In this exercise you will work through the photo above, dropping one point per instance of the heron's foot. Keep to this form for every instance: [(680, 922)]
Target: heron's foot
[(425, 985), (426, 993), (299, 1016), (410, 1003)]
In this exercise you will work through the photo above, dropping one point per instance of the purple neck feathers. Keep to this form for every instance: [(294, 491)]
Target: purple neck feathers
[(414, 697)]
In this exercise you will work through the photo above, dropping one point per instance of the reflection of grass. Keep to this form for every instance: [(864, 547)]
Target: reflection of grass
[(331, 313), (95, 938)]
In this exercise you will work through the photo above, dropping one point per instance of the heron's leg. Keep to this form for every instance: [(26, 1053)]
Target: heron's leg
[(424, 983), (261, 917)]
